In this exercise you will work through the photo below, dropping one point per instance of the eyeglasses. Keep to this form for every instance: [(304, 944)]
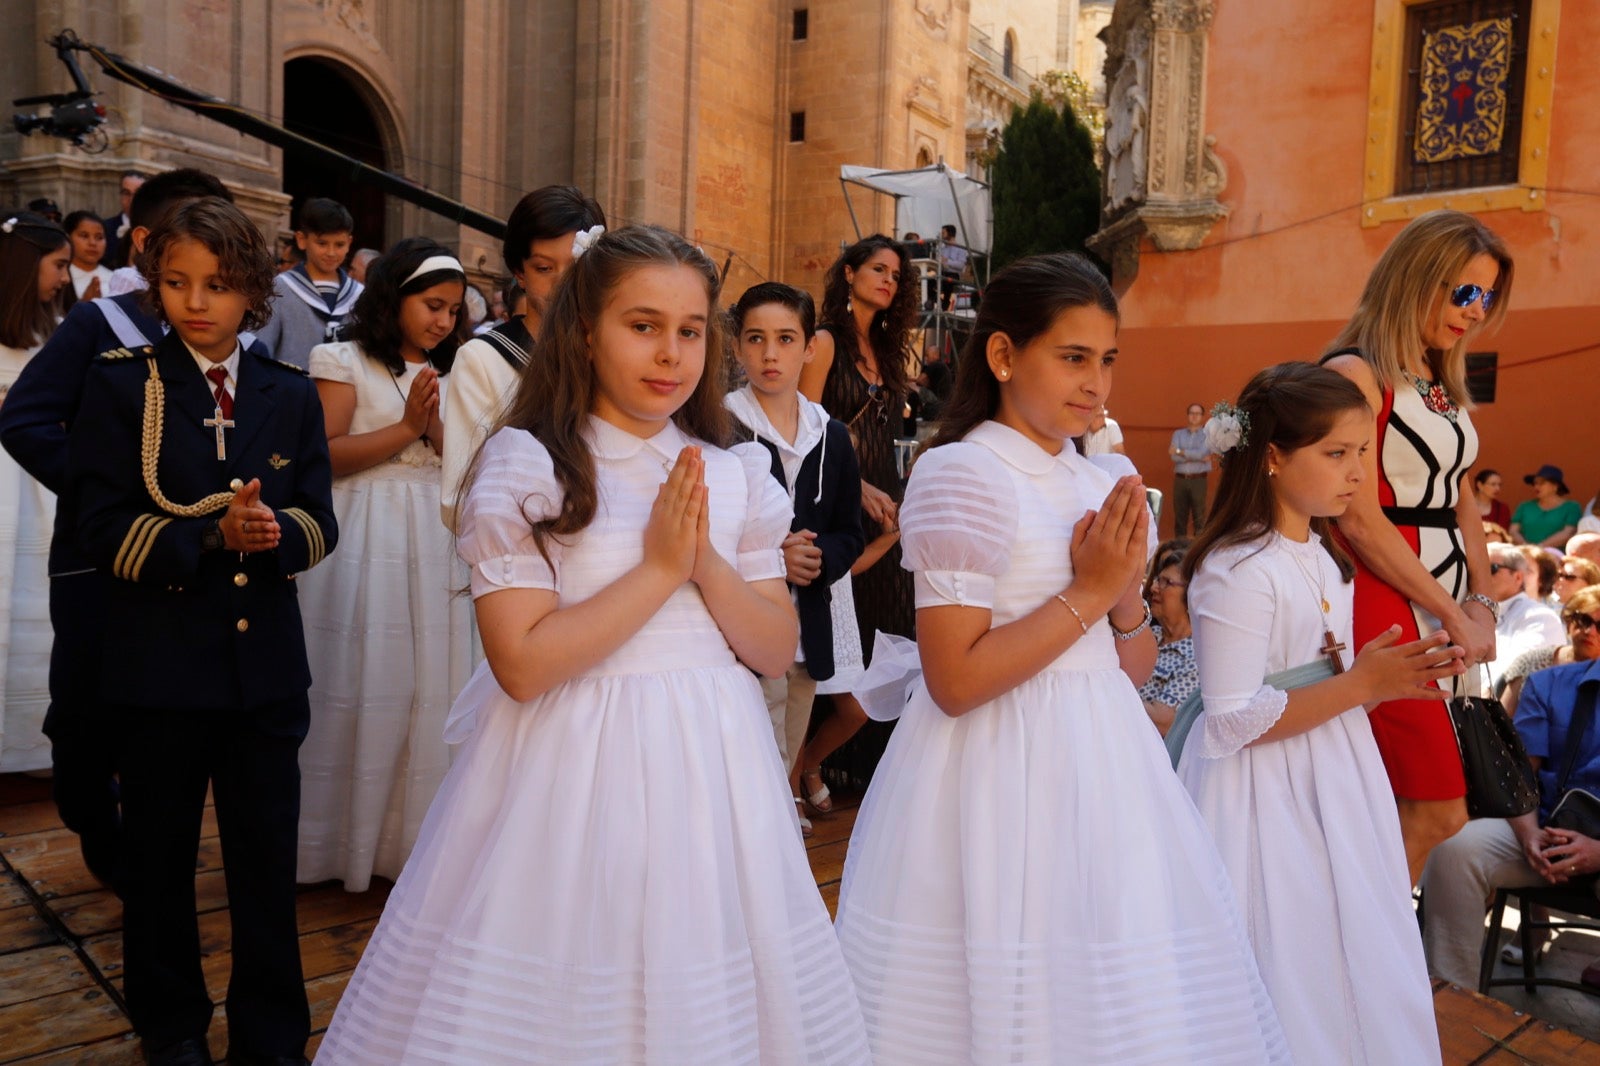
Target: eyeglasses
[(1464, 295), (1564, 576), (1582, 622), (1495, 568), (1159, 583)]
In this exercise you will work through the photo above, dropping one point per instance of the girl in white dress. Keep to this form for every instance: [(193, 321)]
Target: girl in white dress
[(1028, 881), (89, 275), (612, 871), (33, 271), (385, 658), (1291, 782)]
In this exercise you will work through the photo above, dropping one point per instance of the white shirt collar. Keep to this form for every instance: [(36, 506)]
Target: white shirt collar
[(813, 421), (1018, 450), (230, 364), (611, 442)]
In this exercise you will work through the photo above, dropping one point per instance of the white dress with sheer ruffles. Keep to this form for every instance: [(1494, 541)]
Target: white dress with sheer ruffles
[(389, 644), (27, 516), (612, 871), (1029, 883), (1306, 825)]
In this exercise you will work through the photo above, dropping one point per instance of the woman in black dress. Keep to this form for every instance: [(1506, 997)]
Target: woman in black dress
[(859, 373)]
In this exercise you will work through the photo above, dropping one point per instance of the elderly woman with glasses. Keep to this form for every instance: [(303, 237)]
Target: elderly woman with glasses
[(1580, 616), (1573, 573), (1175, 675)]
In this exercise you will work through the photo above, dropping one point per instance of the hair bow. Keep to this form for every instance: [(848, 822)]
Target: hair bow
[(9, 224), (1227, 428), (583, 239)]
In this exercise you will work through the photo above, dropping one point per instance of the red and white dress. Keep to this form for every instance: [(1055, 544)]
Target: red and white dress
[(1423, 446)]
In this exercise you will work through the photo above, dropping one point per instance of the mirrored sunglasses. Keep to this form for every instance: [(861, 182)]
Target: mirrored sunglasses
[(1464, 295)]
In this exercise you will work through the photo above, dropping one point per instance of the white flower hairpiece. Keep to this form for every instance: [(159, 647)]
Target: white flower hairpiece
[(583, 239), (1227, 428), (9, 224)]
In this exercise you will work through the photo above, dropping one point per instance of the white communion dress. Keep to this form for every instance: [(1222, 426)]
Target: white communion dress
[(612, 871), (386, 660), (1028, 882), (1307, 825), (27, 515)]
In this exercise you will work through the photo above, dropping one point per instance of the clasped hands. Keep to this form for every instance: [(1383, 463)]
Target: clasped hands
[(249, 525), (677, 537)]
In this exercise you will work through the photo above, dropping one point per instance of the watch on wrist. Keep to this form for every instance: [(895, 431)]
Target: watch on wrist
[(1478, 597), (211, 539)]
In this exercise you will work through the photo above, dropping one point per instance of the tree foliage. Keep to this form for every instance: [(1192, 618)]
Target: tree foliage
[(1045, 183)]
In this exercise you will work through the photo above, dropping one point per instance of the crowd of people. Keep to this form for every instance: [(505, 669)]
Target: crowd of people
[(487, 602)]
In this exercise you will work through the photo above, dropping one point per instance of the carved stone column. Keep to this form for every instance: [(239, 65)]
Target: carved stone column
[(1162, 177)]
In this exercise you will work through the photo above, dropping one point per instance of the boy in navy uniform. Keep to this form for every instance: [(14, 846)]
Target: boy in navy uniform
[(39, 409), (200, 480)]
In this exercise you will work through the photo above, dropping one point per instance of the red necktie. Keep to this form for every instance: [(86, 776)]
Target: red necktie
[(219, 377)]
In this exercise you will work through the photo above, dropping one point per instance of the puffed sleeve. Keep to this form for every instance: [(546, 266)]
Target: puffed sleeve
[(514, 486), (957, 525), (334, 362), (768, 520), (1232, 610)]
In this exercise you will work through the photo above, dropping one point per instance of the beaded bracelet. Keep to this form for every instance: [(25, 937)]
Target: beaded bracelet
[(1063, 598), (1144, 623)]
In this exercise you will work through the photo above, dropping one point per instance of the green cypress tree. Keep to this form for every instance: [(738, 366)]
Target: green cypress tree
[(1046, 184)]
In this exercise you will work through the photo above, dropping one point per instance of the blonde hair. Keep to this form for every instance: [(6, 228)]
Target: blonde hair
[(1404, 292)]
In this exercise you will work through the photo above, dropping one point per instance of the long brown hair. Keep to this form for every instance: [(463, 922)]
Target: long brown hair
[(26, 239), (890, 332), (557, 390), (1404, 291), (1022, 301), (1291, 406)]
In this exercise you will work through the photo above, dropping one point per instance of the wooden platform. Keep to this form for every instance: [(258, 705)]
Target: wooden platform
[(60, 951)]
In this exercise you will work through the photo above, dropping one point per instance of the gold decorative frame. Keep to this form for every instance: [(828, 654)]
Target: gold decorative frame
[(1379, 202)]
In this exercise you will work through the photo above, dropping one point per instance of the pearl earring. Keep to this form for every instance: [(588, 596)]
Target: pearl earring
[(849, 305)]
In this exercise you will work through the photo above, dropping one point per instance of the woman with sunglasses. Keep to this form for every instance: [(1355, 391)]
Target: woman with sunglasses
[(1572, 574), (1175, 675), (1580, 616), (1414, 528), (858, 373)]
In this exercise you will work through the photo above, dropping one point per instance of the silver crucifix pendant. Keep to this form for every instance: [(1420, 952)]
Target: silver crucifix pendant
[(220, 424)]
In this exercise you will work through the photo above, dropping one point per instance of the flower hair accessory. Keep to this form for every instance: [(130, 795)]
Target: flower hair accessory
[(1227, 428), (583, 239), (9, 224)]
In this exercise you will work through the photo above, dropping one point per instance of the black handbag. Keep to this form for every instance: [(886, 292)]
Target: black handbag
[(1500, 779), (1578, 809)]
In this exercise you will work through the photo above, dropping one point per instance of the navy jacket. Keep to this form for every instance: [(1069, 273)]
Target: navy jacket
[(186, 628), (835, 518)]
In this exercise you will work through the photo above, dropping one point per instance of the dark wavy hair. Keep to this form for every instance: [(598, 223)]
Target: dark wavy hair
[(375, 319), (557, 390), (243, 255), (1292, 406), (891, 329), (24, 321), (1021, 302), (544, 213)]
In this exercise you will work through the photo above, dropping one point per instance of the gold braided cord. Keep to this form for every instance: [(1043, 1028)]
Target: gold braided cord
[(155, 402)]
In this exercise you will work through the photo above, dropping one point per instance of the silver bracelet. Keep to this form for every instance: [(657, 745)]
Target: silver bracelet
[(1144, 623), (1478, 597)]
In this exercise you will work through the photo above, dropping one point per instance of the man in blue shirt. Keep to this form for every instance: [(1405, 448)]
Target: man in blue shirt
[(1556, 709), (1191, 459)]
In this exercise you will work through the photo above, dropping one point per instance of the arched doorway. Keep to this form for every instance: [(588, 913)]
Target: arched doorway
[(321, 100)]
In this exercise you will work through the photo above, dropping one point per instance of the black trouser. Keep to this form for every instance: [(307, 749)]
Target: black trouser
[(83, 736), (1188, 504), (250, 759)]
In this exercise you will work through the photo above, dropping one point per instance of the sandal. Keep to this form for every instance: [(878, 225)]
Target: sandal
[(805, 823), (819, 798)]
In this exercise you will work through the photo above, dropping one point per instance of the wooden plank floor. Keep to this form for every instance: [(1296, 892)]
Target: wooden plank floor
[(60, 951)]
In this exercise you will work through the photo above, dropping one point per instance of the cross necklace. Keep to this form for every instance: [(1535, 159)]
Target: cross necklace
[(1331, 647)]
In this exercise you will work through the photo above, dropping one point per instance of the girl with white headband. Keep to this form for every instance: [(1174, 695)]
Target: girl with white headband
[(389, 643)]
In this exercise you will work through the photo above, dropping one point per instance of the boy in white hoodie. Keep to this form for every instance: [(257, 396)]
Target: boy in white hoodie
[(812, 457)]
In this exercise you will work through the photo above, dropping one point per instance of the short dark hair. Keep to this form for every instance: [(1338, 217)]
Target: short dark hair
[(26, 238), (70, 223), (321, 216), (157, 195), (948, 229), (247, 263), (544, 213), (775, 292), (375, 320)]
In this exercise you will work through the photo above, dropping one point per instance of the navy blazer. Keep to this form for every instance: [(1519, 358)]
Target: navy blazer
[(835, 518), (186, 628)]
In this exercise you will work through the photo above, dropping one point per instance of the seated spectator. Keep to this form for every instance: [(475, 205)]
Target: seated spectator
[(1540, 580), (1175, 675), (1550, 517), (1582, 644), (1104, 436), (1585, 546), (1495, 534), (1486, 489), (1463, 872), (1574, 573), (1525, 623)]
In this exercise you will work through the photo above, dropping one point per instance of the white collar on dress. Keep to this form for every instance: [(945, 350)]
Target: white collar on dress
[(611, 442), (1018, 450)]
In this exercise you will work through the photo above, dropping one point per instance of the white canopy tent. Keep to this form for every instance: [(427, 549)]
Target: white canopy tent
[(926, 199)]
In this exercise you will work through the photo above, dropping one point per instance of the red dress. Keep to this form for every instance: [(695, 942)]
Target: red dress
[(1423, 449)]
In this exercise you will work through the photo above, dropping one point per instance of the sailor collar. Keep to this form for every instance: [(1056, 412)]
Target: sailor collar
[(611, 442), (1018, 451)]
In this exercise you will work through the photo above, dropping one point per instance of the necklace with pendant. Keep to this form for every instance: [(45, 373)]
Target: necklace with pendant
[(1434, 396), (1331, 647)]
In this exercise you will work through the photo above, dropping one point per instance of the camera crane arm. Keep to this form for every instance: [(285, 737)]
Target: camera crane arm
[(66, 43)]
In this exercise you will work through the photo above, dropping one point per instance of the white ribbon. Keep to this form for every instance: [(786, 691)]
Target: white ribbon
[(584, 238), (434, 263), (10, 224)]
